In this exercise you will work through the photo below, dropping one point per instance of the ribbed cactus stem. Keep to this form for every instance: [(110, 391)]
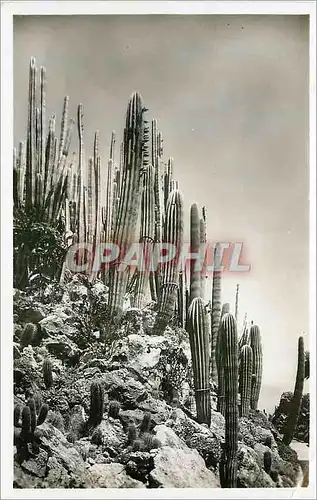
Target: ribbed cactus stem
[(203, 244), (173, 234), (215, 310), (147, 234), (229, 348), (197, 326), (295, 404), (31, 140), (245, 379), (129, 200), (256, 346), (220, 371), (195, 272), (236, 304), (64, 127), (42, 118)]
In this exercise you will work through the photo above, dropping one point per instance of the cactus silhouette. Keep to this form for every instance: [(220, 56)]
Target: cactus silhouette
[(47, 373), (96, 404), (228, 341), (114, 409), (199, 345), (27, 335), (245, 379), (173, 234), (267, 461), (127, 215), (295, 404), (256, 346)]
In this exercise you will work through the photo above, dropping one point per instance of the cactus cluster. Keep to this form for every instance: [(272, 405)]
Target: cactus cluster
[(33, 414)]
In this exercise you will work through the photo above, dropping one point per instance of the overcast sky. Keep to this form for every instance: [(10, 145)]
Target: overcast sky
[(231, 97)]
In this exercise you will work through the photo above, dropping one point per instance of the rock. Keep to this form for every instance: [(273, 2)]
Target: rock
[(53, 440), (120, 386), (112, 476), (250, 474), (168, 437), (206, 441), (113, 435), (37, 465), (63, 348), (177, 468)]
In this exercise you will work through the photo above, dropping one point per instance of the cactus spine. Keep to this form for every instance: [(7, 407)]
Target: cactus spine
[(228, 340), (128, 200), (255, 343), (295, 404), (199, 345), (215, 311), (245, 379), (173, 233)]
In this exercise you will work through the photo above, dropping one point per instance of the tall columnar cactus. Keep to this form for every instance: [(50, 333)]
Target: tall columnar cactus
[(245, 337), (228, 340), (47, 373), (173, 234), (245, 379), (96, 404), (203, 241), (236, 304), (147, 234), (256, 346), (295, 404), (215, 310), (198, 330), (129, 200), (195, 276)]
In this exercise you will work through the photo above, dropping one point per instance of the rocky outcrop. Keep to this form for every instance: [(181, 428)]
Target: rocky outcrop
[(145, 374)]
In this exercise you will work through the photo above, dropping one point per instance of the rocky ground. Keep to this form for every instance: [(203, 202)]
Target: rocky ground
[(146, 375)]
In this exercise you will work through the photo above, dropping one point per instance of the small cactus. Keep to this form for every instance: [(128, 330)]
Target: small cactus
[(146, 423), (47, 373), (96, 404), (26, 423), (267, 461), (97, 437), (114, 409), (27, 335), (138, 445), (42, 414), (132, 434), (268, 441), (148, 441), (31, 405), (16, 415)]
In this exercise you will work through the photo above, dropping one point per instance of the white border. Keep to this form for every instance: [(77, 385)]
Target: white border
[(8, 9)]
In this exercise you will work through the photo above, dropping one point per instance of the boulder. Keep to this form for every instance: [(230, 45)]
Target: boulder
[(178, 468), (112, 476)]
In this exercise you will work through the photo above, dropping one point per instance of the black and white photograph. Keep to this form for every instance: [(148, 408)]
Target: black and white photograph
[(158, 326)]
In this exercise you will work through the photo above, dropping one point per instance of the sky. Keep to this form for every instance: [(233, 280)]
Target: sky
[(231, 97)]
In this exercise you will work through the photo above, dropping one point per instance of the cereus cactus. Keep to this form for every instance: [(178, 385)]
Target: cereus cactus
[(215, 311), (220, 373), (114, 409), (129, 199), (195, 275), (228, 341), (28, 334), (96, 404), (173, 234), (47, 373), (199, 345), (267, 461), (256, 346), (132, 433), (236, 304), (245, 379), (295, 404), (146, 423), (147, 234)]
